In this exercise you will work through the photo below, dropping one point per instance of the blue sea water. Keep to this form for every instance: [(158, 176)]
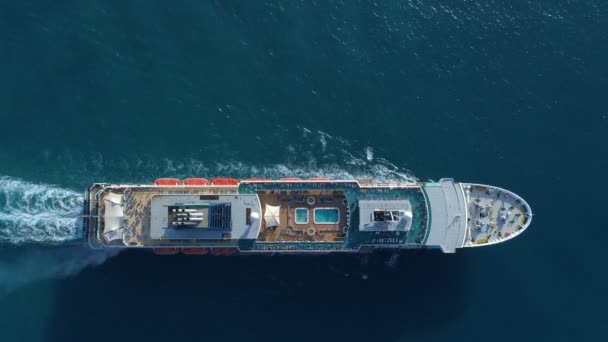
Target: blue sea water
[(510, 93)]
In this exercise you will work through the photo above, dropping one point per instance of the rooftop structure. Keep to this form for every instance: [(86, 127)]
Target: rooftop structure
[(387, 215), (176, 217)]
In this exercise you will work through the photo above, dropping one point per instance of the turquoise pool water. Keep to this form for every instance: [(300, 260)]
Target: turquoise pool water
[(327, 215), (301, 216)]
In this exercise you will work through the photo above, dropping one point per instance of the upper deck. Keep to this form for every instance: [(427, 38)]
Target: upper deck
[(287, 215), (264, 215)]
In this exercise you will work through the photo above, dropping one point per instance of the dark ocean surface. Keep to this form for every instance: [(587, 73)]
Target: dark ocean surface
[(509, 93)]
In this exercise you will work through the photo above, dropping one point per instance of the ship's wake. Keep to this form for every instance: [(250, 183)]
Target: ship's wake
[(37, 224), (38, 213), (307, 153)]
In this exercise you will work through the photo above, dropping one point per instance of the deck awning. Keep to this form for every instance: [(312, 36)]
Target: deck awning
[(114, 218), (271, 216), (114, 198)]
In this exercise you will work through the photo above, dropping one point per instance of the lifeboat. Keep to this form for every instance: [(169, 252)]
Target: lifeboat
[(256, 179), (225, 181), (290, 179), (195, 251), (165, 251), (318, 179), (196, 181), (167, 182), (224, 251)]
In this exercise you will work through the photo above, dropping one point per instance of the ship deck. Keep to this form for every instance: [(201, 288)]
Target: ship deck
[(137, 201), (304, 216), (290, 230), (309, 216), (495, 215), (137, 211)]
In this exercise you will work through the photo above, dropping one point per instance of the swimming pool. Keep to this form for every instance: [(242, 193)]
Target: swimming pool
[(327, 215), (301, 215)]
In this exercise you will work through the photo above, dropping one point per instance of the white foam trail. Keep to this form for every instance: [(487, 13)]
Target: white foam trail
[(323, 140), (305, 152), (369, 153), (321, 155), (38, 213), (25, 265), (333, 157)]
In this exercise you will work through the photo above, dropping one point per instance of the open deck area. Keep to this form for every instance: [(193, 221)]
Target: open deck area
[(495, 215), (292, 229)]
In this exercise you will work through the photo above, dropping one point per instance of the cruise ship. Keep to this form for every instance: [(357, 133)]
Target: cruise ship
[(226, 216)]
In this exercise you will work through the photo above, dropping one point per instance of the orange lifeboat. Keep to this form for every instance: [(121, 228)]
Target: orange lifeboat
[(257, 179), (167, 182), (318, 179), (195, 251), (225, 181), (224, 251), (196, 181), (165, 251), (290, 179)]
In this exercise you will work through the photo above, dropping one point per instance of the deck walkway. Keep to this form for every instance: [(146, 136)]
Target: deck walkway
[(289, 230)]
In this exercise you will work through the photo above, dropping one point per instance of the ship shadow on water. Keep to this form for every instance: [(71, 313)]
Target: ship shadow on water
[(139, 296)]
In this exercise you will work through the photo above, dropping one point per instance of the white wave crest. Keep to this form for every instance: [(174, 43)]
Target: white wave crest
[(38, 213), (317, 155), (292, 152), (351, 168), (369, 153)]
